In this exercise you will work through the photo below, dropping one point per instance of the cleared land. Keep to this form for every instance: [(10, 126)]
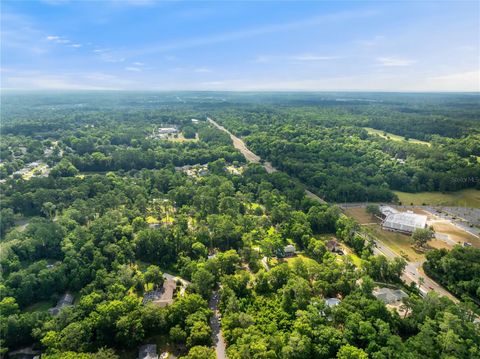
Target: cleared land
[(393, 137), (402, 243), (454, 233), (464, 198), (398, 242), (361, 215)]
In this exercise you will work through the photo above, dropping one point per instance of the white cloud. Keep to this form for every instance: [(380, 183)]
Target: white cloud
[(293, 58), (58, 39), (310, 57), (106, 55), (252, 32), (138, 64), (133, 69), (394, 61), (76, 45), (202, 70)]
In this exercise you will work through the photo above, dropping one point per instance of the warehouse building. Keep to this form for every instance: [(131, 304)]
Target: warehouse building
[(405, 222)]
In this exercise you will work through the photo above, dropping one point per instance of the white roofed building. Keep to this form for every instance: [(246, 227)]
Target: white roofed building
[(387, 210), (405, 222)]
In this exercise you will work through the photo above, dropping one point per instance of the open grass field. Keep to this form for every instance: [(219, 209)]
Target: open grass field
[(181, 138), (361, 215), (306, 260), (393, 137), (464, 198)]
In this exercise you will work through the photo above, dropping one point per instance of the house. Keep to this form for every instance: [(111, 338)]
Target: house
[(332, 245), (167, 131), (163, 296), (404, 222), (332, 302), (148, 351), (389, 296), (194, 120), (289, 250), (65, 300)]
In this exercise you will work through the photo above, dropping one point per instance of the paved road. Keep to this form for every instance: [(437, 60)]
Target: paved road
[(411, 272), (215, 324), (254, 158)]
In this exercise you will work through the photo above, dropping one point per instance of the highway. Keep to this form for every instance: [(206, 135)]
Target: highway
[(412, 272), (254, 158)]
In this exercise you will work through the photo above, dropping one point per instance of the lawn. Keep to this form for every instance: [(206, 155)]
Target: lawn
[(42, 306), (464, 198), (393, 137)]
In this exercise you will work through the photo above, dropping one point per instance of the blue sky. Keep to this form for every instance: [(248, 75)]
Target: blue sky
[(226, 45)]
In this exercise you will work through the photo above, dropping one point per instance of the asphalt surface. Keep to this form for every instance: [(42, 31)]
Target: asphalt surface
[(215, 324), (413, 272), (254, 158)]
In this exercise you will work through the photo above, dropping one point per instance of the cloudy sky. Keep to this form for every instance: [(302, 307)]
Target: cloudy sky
[(269, 45)]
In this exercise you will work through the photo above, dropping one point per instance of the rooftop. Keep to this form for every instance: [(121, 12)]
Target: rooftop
[(389, 296), (404, 221), (332, 302), (148, 351)]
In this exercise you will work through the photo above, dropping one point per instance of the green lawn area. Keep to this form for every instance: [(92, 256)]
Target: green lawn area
[(464, 198), (393, 137), (398, 242), (308, 261), (42, 306)]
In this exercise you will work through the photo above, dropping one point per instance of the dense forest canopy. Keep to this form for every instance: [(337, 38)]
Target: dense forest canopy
[(99, 203)]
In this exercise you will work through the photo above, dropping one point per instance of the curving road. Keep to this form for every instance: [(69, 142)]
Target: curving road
[(413, 272)]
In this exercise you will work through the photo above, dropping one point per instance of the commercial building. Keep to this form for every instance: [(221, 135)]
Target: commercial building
[(405, 222)]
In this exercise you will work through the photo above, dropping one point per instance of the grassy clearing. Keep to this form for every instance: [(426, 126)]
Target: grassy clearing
[(306, 260), (393, 137), (398, 242), (464, 198), (181, 138), (42, 306), (361, 215)]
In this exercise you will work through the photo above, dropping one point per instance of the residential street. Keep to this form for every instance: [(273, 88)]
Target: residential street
[(215, 324)]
